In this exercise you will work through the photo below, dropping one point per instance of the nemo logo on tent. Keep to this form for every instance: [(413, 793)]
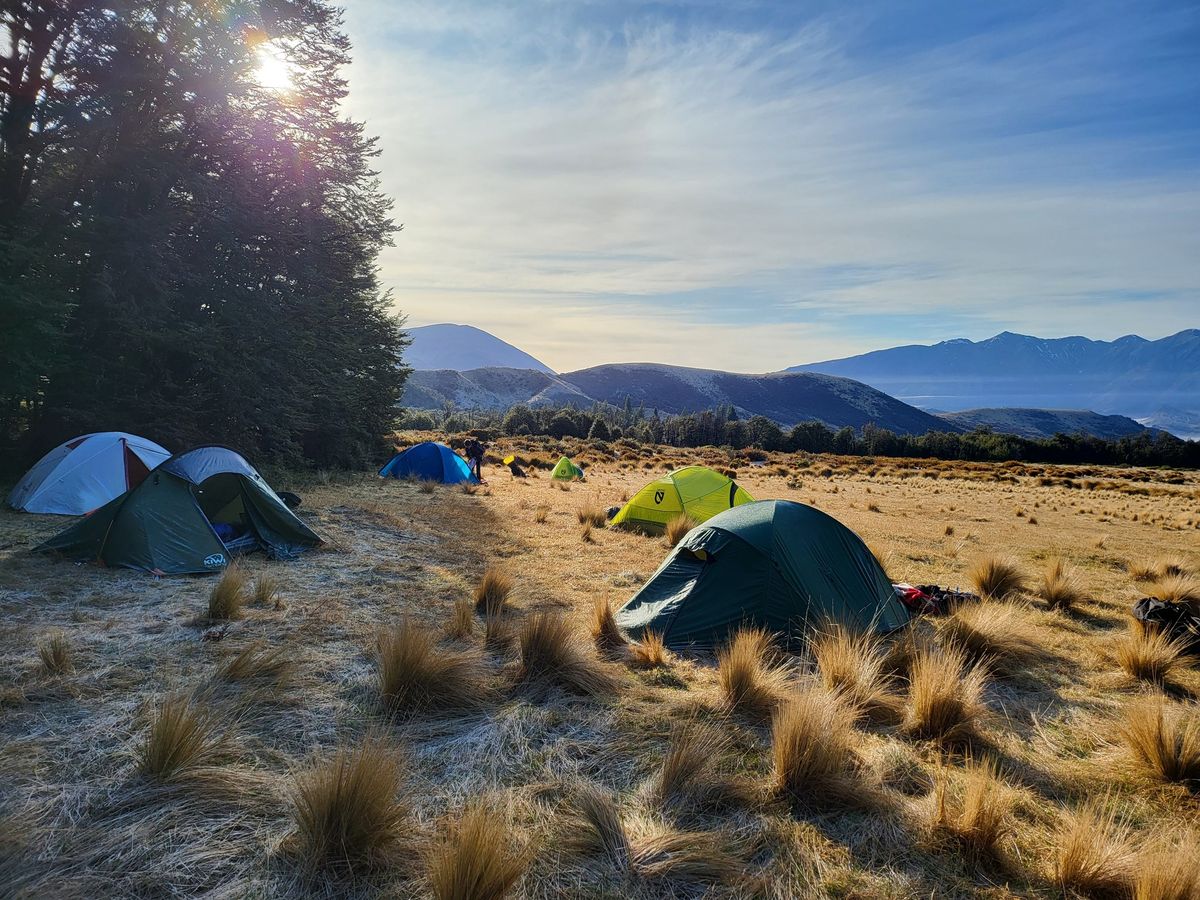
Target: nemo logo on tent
[(217, 559), (658, 497)]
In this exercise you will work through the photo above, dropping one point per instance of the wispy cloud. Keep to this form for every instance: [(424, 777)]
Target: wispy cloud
[(732, 186)]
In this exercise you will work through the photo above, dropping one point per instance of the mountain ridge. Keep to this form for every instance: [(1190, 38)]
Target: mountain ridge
[(464, 347)]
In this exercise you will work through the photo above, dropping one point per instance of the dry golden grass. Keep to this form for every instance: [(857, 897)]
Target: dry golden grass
[(491, 594), (415, 673), (552, 649), (674, 859), (182, 735), (1176, 589), (996, 576), (649, 653), (1168, 870), (461, 624), (266, 590), (677, 528), (54, 654), (852, 666), (691, 775), (749, 678), (228, 595), (426, 485), (1148, 654), (257, 662), (989, 632), (1059, 587), (592, 514), (977, 817), (585, 534), (944, 696), (1162, 738), (541, 514), (479, 857), (1093, 856), (607, 635), (345, 809), (812, 750)]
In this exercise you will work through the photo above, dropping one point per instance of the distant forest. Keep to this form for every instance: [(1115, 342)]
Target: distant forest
[(723, 428), (184, 252)]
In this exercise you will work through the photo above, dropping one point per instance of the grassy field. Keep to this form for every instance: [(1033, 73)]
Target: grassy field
[(357, 728)]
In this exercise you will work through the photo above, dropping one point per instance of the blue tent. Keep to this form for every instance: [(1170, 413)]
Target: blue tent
[(430, 461)]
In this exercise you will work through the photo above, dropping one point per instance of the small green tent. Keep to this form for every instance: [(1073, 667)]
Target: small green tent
[(565, 470), (191, 514), (776, 564)]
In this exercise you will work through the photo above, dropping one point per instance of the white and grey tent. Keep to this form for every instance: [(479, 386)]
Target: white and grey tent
[(86, 472)]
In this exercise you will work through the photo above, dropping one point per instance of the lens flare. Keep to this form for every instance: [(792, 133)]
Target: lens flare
[(273, 71)]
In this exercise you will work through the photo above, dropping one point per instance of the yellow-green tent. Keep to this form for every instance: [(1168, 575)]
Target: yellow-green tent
[(697, 491), (565, 470)]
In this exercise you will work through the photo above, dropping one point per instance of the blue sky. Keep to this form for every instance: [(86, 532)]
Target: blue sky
[(752, 185)]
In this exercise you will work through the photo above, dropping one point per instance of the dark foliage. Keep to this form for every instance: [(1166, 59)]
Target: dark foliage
[(183, 252)]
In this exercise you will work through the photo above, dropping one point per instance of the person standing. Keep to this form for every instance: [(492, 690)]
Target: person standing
[(475, 458)]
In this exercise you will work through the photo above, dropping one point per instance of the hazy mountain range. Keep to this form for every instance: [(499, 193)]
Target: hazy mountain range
[(1022, 385), (1155, 382)]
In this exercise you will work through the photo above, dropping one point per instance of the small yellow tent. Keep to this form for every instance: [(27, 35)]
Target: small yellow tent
[(697, 491)]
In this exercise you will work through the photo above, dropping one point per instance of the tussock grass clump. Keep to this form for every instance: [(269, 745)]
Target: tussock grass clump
[(649, 653), (415, 673), (1148, 654), (944, 696), (1093, 855), (461, 624), (491, 594), (677, 528), (479, 857), (54, 653), (852, 666), (468, 487), (426, 485), (1059, 588), (690, 776), (181, 736), (585, 534), (750, 680), (228, 595), (551, 649), (812, 755), (1163, 739), (266, 589), (592, 514), (1140, 570), (345, 809), (498, 633), (996, 576), (257, 662), (541, 514), (989, 632), (690, 857), (1167, 872), (1177, 589), (604, 627), (977, 817)]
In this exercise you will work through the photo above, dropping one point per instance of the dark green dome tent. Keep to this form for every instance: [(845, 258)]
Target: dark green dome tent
[(191, 514), (776, 564)]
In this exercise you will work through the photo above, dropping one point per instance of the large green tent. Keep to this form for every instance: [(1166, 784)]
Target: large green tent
[(565, 470), (775, 564), (191, 514)]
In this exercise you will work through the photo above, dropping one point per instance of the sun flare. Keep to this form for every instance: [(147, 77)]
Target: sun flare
[(273, 70)]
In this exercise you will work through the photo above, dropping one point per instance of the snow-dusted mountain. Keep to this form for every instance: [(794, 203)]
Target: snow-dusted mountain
[(464, 347), (1044, 423), (1130, 376)]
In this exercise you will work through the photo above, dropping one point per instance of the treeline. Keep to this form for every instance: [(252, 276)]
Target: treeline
[(722, 428), (185, 253)]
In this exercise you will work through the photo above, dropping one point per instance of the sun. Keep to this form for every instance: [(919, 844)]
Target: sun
[(273, 70)]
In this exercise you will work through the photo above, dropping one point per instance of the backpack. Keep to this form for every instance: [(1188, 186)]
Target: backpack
[(1179, 621)]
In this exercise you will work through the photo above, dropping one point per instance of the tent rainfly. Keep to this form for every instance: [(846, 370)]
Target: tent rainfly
[(565, 470), (696, 491), (774, 564), (86, 472), (192, 514)]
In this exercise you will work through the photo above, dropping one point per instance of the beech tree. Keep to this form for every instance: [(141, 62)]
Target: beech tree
[(184, 251)]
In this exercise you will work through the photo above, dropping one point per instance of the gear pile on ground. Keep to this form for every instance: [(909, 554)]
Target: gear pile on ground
[(1179, 620), (931, 600)]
